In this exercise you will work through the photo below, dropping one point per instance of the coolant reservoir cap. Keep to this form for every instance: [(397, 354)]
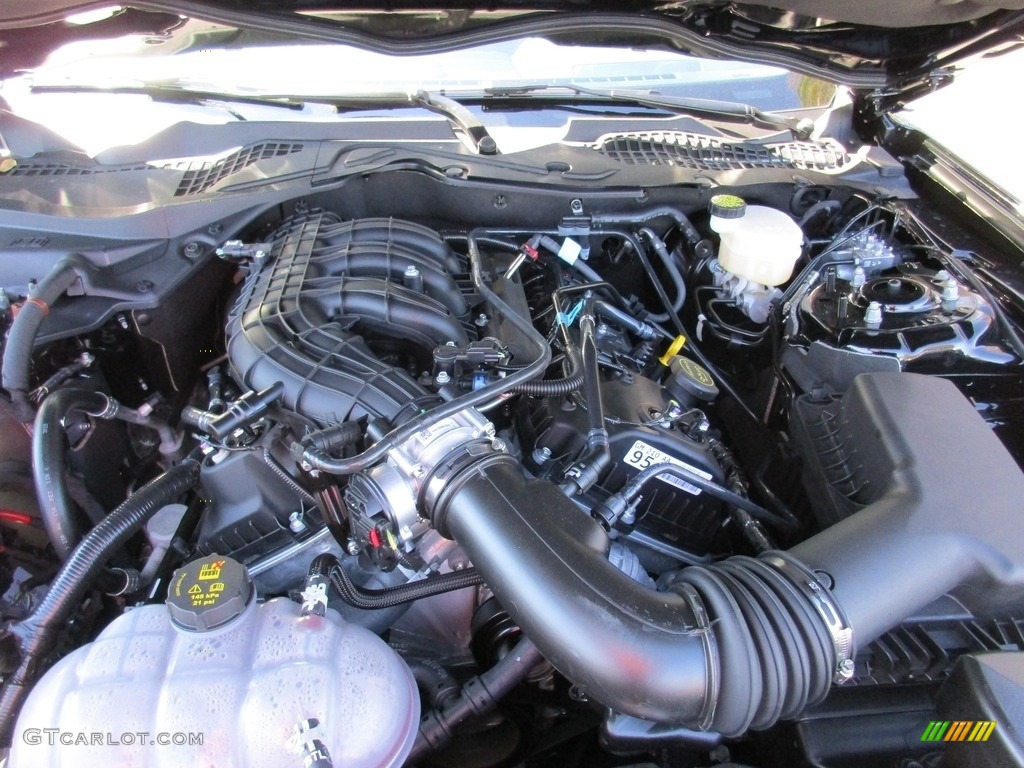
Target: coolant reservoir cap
[(690, 383), (209, 593), (727, 206)]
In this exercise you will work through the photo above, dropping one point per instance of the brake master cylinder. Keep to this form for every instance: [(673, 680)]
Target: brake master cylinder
[(759, 243), (230, 681), (759, 248)]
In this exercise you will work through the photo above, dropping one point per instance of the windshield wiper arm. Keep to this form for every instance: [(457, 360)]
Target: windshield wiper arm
[(706, 109), (456, 112), (175, 94), (462, 117)]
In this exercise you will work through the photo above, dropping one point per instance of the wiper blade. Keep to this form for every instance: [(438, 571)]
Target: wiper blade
[(458, 114), (176, 94), (704, 109)]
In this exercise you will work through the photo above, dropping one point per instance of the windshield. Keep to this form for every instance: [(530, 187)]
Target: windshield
[(216, 59)]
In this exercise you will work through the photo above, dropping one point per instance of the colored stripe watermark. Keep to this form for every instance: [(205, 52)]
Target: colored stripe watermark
[(958, 730)]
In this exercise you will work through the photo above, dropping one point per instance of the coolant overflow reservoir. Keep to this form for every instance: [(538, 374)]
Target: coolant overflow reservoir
[(258, 690), (759, 243)]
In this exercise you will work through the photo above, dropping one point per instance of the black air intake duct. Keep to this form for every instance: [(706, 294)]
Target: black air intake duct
[(745, 642), (300, 317)]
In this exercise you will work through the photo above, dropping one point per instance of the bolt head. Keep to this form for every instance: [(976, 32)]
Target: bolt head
[(844, 671)]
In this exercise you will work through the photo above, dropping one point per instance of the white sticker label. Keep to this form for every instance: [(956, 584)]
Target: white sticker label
[(570, 251), (642, 456), (425, 436)]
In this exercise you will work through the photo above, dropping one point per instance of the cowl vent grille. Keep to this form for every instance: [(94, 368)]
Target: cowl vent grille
[(63, 169), (707, 153), (195, 181)]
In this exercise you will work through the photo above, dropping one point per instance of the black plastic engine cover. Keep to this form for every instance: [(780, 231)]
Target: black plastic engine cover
[(670, 510)]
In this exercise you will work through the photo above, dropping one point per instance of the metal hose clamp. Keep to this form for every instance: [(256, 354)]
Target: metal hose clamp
[(826, 605)]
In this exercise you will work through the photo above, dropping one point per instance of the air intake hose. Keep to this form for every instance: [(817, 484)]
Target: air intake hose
[(745, 642), (728, 647)]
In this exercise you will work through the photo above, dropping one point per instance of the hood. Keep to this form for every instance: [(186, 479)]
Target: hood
[(889, 49)]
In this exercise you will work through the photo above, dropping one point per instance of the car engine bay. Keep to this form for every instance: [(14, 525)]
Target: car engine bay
[(509, 474)]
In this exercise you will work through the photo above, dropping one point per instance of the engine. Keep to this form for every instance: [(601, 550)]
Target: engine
[(603, 485)]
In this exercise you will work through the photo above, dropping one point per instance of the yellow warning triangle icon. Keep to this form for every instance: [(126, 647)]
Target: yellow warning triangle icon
[(195, 589)]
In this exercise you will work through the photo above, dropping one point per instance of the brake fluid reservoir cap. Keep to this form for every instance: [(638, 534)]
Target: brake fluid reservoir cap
[(727, 206), (209, 594)]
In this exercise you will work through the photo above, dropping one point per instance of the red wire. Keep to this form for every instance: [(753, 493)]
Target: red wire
[(9, 515)]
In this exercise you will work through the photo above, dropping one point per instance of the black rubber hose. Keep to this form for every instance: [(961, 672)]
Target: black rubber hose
[(38, 633), (537, 366), (478, 696), (327, 565), (596, 456), (48, 464), (620, 317), (690, 233), (731, 645), (21, 340), (578, 264), (335, 437), (673, 272), (434, 680), (670, 313)]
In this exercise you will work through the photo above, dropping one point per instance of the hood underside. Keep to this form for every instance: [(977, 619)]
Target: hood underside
[(877, 13), (868, 45)]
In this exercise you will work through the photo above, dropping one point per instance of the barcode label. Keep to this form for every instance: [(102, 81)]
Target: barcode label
[(642, 456)]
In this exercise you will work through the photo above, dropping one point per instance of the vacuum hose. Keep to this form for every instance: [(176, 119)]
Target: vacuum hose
[(327, 567)]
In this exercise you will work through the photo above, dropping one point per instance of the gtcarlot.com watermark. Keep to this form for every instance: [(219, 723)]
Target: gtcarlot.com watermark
[(55, 736)]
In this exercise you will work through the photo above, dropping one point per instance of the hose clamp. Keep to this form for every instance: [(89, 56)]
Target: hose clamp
[(110, 409), (132, 580), (826, 605)]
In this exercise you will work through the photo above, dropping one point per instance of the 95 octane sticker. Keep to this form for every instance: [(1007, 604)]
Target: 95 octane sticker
[(642, 456)]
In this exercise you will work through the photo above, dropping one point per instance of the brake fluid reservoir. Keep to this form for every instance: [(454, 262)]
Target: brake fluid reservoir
[(254, 684), (759, 243)]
